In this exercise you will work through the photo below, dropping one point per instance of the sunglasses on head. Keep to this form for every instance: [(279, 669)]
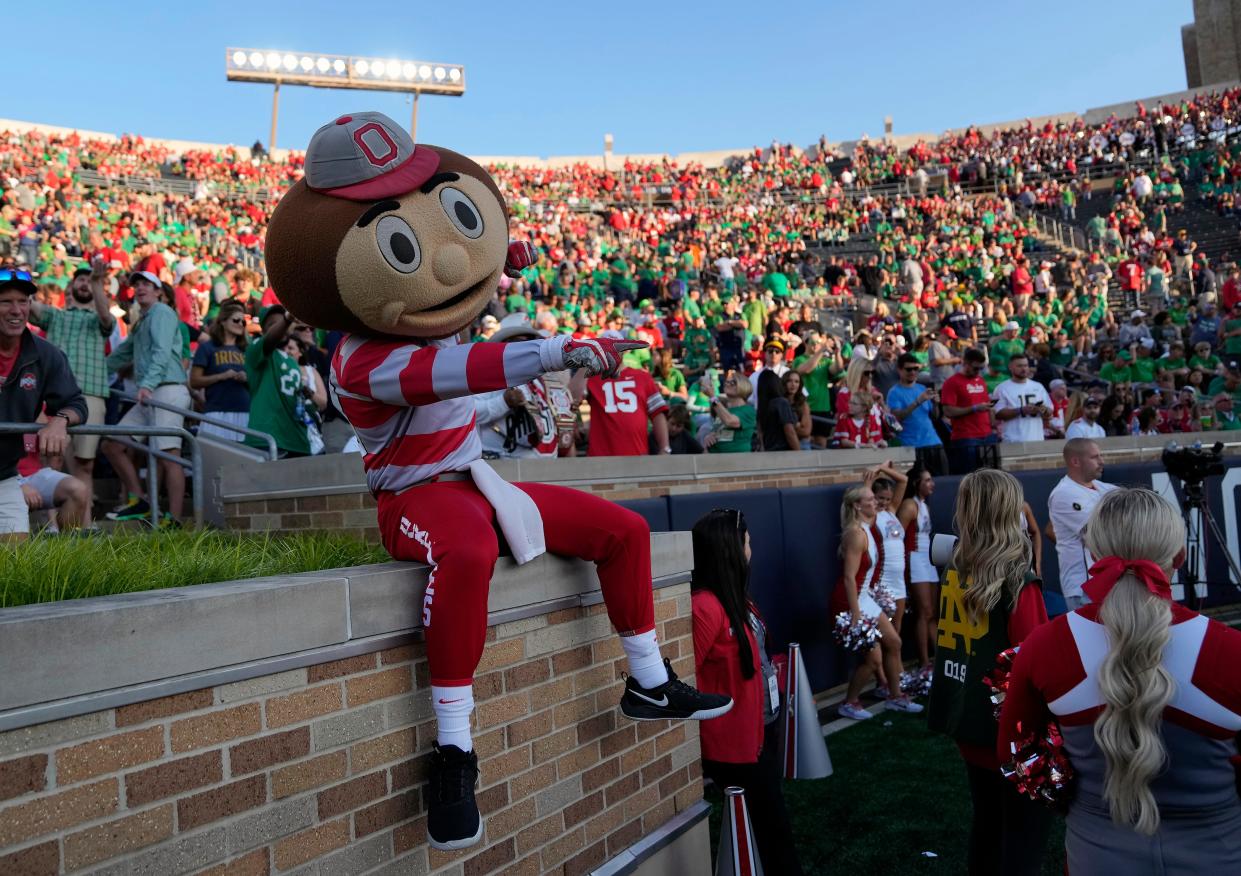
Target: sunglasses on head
[(738, 516), (7, 274)]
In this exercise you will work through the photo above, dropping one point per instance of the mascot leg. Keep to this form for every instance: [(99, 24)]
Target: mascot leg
[(448, 526), (618, 541)]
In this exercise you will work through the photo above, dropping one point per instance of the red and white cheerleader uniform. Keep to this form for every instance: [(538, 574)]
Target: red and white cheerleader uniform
[(1055, 676)]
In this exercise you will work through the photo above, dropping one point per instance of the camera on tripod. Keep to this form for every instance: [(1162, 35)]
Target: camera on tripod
[(1195, 463)]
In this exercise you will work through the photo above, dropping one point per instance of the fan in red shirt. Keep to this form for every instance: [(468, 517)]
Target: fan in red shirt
[(620, 408), (1129, 273)]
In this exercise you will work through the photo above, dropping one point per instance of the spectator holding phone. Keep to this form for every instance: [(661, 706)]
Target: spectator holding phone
[(913, 404), (733, 418), (1022, 405), (967, 405), (219, 370)]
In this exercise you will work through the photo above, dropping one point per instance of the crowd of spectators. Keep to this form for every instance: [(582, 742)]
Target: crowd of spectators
[(792, 300)]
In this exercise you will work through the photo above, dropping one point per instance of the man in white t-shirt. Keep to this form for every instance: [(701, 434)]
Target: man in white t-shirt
[(1087, 425), (1022, 405), (1069, 507)]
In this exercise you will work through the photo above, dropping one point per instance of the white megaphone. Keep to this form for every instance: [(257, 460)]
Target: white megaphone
[(942, 546), (738, 854), (803, 750)]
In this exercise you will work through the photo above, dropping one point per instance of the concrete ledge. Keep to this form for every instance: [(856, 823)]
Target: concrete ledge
[(342, 474), (645, 854), (61, 659)]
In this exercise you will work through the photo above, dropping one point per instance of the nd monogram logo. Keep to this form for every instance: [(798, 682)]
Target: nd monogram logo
[(954, 621)]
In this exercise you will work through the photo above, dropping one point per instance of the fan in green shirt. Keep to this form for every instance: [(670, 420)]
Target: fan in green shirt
[(275, 380), (1232, 336), (740, 439), (776, 283), (1116, 371), (1004, 349)]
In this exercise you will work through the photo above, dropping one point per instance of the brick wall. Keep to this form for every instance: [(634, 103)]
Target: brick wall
[(320, 769)]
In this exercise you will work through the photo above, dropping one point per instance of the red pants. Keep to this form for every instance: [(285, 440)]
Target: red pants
[(449, 526)]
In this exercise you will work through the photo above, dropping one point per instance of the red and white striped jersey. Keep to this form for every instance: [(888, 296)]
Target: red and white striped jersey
[(410, 400)]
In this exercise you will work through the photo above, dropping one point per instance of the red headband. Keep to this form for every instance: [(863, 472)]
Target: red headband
[(1106, 572)]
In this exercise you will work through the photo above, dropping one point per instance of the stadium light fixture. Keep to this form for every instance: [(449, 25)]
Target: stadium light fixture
[(319, 70)]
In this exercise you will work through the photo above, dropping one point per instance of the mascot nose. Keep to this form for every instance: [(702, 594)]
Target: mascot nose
[(451, 264)]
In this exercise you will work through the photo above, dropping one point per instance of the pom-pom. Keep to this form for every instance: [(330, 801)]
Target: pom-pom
[(997, 679), (1040, 768), (858, 637), (884, 599), (915, 684)]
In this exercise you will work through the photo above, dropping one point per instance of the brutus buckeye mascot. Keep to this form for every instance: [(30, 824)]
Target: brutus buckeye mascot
[(402, 246)]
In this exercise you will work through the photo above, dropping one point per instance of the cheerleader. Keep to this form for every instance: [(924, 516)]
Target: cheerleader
[(1148, 699), (923, 577), (892, 537), (990, 602), (861, 554)]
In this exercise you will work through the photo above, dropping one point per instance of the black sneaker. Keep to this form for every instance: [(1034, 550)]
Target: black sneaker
[(134, 509), (672, 701), (453, 821)]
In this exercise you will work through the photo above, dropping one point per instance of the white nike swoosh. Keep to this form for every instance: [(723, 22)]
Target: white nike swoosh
[(662, 701)]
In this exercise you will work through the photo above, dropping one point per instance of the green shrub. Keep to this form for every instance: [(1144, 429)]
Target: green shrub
[(53, 568)]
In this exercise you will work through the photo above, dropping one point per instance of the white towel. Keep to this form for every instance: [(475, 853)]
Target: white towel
[(516, 512)]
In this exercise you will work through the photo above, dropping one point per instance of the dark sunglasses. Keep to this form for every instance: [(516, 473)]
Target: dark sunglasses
[(912, 368), (730, 382), (738, 516), (868, 373)]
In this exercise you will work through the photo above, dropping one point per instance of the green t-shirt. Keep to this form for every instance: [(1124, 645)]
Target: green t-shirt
[(675, 383), (1004, 349), (1232, 346), (755, 313), (275, 381), (739, 440), (777, 284), (1209, 364), (1143, 370), (1167, 363), (1116, 372), (818, 384)]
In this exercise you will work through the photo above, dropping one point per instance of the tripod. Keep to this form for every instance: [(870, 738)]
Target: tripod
[(1195, 499)]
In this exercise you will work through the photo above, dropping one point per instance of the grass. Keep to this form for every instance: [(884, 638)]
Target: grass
[(53, 568), (897, 790)]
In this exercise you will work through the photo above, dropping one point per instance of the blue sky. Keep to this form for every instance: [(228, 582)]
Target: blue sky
[(550, 78)]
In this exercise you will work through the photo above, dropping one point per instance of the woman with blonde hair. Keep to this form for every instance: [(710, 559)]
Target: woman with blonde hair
[(862, 563), (1146, 694), (990, 601)]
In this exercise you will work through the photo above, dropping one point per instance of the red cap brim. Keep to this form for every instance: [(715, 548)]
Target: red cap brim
[(402, 179)]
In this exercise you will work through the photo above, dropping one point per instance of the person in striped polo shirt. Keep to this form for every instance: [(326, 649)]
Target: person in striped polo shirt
[(401, 247), (81, 330)]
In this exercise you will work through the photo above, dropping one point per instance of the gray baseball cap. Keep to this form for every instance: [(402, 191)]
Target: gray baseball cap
[(366, 157)]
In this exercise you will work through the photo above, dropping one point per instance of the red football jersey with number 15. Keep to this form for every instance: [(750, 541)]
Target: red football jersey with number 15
[(620, 408)]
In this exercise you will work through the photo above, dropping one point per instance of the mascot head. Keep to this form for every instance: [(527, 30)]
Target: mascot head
[(383, 237)]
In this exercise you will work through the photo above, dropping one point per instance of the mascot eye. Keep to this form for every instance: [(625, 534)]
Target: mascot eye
[(462, 212), (398, 244)]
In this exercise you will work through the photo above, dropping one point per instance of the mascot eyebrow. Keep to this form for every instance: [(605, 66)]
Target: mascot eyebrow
[(387, 206)]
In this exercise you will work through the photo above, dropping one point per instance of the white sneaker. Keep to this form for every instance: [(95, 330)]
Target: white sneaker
[(903, 704), (856, 712)]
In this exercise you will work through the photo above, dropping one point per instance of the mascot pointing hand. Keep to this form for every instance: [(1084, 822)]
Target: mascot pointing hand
[(402, 246)]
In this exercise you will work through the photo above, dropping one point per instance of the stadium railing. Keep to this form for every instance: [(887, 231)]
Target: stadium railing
[(273, 451), (122, 435)]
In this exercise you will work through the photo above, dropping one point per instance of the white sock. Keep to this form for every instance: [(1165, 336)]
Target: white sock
[(453, 707), (646, 664)]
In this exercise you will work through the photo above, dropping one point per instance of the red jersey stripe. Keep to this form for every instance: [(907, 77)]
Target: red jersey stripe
[(409, 450), (484, 369)]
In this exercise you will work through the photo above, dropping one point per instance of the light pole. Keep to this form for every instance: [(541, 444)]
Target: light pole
[(343, 71)]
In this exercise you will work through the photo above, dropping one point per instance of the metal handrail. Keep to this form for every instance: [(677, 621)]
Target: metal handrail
[(272, 450), (195, 466)]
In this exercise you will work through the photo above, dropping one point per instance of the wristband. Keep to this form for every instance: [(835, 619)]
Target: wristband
[(63, 416)]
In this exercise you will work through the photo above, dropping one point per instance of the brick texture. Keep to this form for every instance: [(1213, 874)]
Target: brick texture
[(126, 834), (322, 769), (173, 778), (108, 755), (140, 713), (23, 775)]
